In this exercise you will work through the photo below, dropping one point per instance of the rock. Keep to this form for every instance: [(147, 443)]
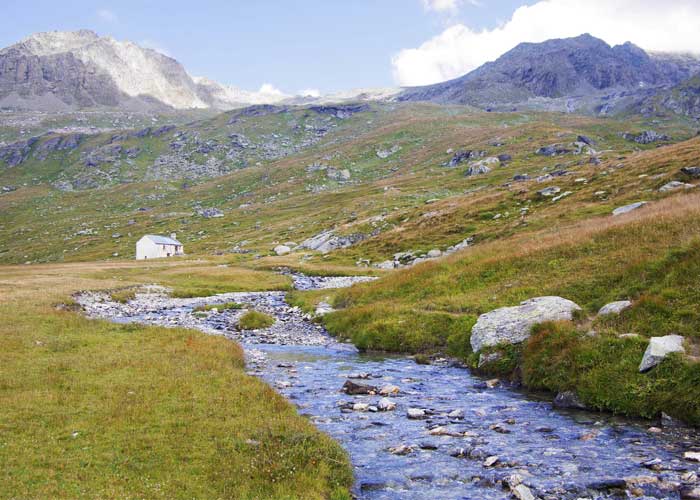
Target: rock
[(512, 325), (494, 382), (548, 192), (456, 414), (689, 492), (339, 175), (210, 213), (328, 241), (658, 349), (692, 172), (646, 137), (491, 461), (386, 405), (491, 357), (568, 400), (389, 390), (693, 456), (360, 406), (614, 307), (415, 413), (504, 158), (586, 140), (608, 484), (350, 387), (387, 264), (675, 185), (521, 177), (323, 308), (481, 166), (283, 384), (461, 156), (628, 208), (401, 449), (434, 254), (522, 492), (281, 250), (553, 150)]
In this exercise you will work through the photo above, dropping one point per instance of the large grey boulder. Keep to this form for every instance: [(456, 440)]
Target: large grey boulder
[(512, 325), (614, 307), (282, 250), (628, 208), (658, 349), (674, 186)]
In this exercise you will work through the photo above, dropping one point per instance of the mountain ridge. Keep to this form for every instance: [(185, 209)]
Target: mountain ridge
[(582, 72)]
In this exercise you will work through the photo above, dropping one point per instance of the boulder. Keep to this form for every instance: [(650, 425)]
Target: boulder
[(614, 307), (548, 192), (386, 404), (646, 137), (675, 185), (434, 254), (522, 492), (658, 349), (553, 150), (692, 172), (504, 158), (350, 387), (282, 250), (511, 325), (628, 208), (568, 400)]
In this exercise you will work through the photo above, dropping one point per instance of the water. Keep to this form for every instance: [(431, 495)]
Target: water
[(556, 454)]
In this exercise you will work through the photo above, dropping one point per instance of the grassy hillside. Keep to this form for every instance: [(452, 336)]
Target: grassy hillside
[(95, 409), (650, 256), (290, 199)]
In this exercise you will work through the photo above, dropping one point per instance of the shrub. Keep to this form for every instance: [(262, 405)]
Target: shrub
[(255, 320)]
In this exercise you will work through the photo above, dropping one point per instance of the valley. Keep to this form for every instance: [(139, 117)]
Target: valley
[(513, 253)]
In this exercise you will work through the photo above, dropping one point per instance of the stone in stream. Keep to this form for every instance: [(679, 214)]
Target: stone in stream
[(389, 390), (568, 400), (456, 414), (386, 405), (353, 389), (491, 461), (360, 406), (658, 349), (614, 307), (415, 413), (693, 456), (522, 492), (401, 449), (512, 325), (690, 492)]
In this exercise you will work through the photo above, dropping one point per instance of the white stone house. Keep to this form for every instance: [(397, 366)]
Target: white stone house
[(153, 246)]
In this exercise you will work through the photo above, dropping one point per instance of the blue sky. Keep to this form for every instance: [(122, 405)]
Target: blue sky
[(333, 45), (293, 44)]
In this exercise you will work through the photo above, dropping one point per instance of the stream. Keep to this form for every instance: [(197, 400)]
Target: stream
[(440, 432)]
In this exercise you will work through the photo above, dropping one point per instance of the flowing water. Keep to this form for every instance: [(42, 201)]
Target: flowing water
[(471, 441)]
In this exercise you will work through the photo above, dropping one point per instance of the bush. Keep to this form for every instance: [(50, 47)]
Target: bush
[(255, 320)]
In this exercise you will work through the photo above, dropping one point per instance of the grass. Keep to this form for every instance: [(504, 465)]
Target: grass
[(650, 256), (226, 306), (255, 320), (94, 409)]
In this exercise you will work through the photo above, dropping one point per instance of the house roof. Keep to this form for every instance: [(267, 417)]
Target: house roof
[(162, 240)]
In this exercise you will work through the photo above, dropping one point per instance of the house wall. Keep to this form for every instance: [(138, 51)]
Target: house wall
[(147, 249)]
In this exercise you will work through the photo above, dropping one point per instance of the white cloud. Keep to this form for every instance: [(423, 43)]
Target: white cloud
[(267, 89), (459, 49), (310, 93), (446, 6), (107, 16)]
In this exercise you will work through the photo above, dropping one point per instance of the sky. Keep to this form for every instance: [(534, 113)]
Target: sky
[(309, 46)]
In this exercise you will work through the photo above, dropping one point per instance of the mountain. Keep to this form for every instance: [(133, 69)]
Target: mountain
[(573, 73)]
